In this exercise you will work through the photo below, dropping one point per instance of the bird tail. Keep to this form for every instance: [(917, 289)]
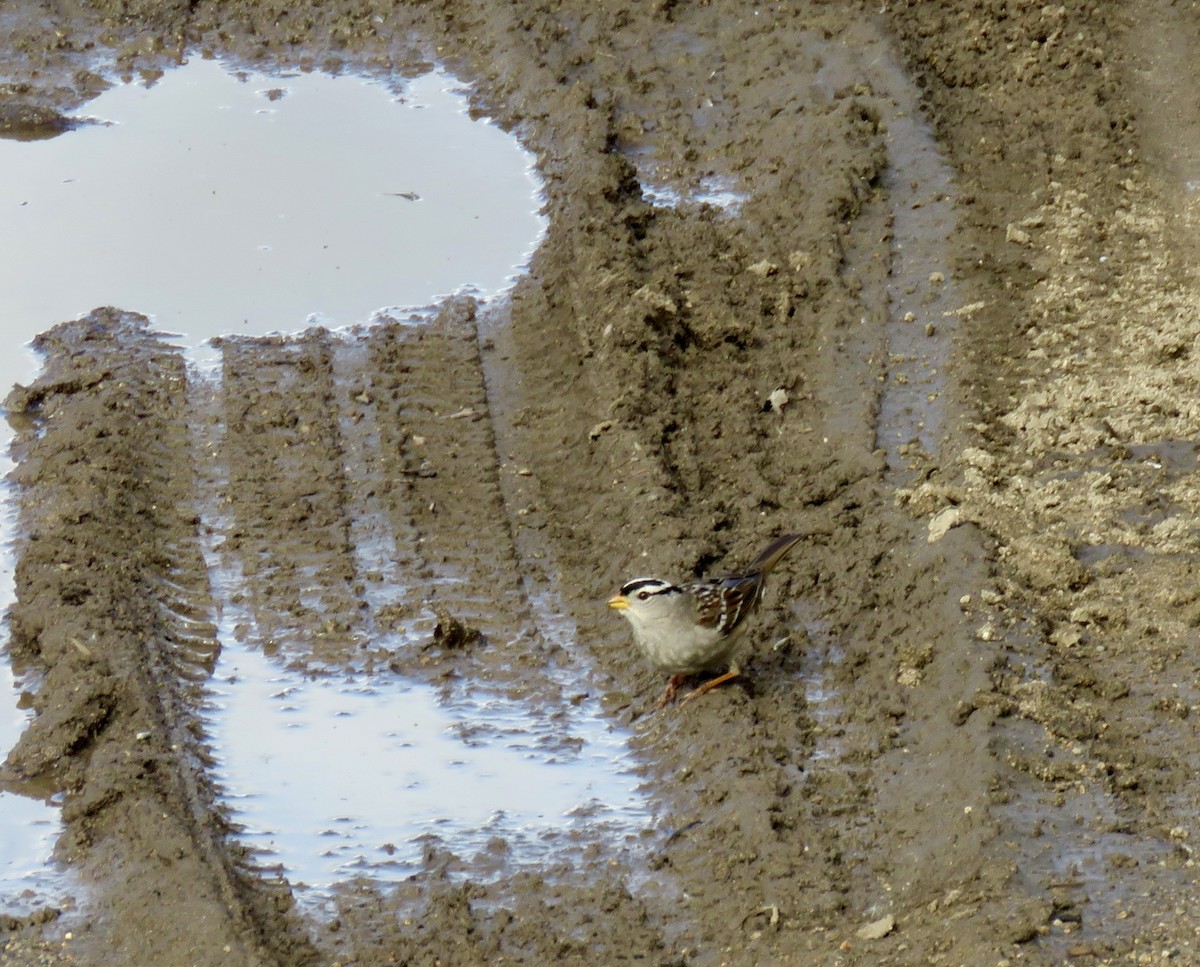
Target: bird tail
[(772, 553)]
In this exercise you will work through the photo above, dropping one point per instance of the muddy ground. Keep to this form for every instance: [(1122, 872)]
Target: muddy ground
[(965, 732)]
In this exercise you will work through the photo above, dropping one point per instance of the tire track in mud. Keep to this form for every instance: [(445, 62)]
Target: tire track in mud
[(682, 461), (413, 537), (368, 462), (113, 604), (902, 268), (688, 465), (1028, 867), (437, 444), (1076, 474), (286, 497), (238, 459)]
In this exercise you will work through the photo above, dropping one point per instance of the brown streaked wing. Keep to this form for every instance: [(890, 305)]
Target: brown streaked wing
[(723, 605)]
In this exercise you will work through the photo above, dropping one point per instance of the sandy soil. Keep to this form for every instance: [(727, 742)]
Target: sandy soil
[(975, 744)]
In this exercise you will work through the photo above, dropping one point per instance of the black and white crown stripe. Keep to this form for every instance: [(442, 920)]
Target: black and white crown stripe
[(649, 585)]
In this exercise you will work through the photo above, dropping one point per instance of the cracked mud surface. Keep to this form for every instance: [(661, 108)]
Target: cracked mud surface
[(965, 729)]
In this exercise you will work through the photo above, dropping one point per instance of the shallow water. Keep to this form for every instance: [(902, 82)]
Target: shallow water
[(28, 825), (219, 202), (342, 776), (924, 302), (342, 771)]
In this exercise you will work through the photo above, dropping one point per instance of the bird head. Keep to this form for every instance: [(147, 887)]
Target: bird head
[(644, 599)]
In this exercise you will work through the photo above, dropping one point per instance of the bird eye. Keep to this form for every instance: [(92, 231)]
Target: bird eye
[(643, 595)]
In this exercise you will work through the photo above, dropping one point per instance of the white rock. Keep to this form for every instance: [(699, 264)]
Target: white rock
[(942, 521), (877, 929)]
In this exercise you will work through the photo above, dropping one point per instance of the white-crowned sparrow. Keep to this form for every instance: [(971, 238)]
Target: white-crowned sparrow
[(689, 628)]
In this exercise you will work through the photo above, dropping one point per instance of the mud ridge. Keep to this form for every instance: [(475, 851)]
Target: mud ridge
[(117, 619), (287, 495), (437, 441)]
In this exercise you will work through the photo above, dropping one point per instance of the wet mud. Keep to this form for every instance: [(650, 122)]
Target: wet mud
[(964, 731)]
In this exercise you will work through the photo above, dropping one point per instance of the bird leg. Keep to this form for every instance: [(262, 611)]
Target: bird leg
[(668, 695), (712, 683)]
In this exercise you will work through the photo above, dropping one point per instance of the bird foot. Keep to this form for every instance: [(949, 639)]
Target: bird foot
[(672, 689), (668, 695), (709, 685)]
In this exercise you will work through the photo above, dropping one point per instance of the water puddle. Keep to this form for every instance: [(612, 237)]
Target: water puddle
[(667, 180), (823, 654), (350, 776), (715, 191), (336, 774), (218, 202), (924, 303), (29, 824), (221, 202), (28, 877)]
